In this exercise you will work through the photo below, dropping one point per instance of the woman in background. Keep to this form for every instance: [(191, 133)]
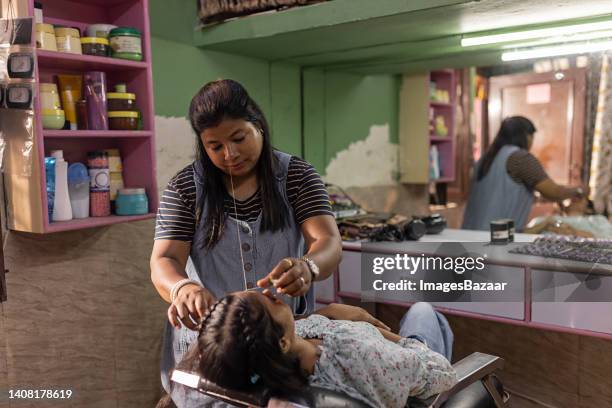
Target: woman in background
[(507, 175)]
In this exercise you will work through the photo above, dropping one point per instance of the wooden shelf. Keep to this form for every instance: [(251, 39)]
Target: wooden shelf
[(448, 72), (417, 125), (440, 104), (440, 139), (92, 222), (27, 205), (67, 61), (88, 134), (101, 2)]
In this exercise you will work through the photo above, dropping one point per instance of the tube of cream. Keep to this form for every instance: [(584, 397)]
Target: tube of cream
[(70, 91)]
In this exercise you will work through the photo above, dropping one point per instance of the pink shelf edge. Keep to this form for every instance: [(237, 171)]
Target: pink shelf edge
[(441, 104), (434, 138), (96, 133), (93, 222), (105, 61)]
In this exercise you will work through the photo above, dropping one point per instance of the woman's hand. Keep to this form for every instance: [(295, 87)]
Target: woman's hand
[(290, 277), (337, 311), (189, 306)]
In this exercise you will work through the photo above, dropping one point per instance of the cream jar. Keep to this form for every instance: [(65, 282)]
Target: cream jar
[(45, 37), (49, 97), (68, 40)]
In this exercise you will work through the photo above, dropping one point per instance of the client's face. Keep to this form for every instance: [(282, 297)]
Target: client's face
[(280, 312)]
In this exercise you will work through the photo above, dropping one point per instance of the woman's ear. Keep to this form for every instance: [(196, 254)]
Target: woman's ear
[(284, 344)]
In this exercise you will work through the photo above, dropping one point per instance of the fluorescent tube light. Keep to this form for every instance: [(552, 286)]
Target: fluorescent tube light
[(563, 39), (538, 33), (553, 51)]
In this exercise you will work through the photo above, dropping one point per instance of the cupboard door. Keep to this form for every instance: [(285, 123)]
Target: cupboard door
[(573, 300), (414, 129), (554, 102), (511, 307), (509, 304)]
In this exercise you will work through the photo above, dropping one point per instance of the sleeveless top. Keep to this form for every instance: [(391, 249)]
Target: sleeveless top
[(497, 196)]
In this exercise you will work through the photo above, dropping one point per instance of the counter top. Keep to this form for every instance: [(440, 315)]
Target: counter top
[(477, 244)]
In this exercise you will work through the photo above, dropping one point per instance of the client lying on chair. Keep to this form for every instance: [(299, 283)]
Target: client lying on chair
[(249, 339)]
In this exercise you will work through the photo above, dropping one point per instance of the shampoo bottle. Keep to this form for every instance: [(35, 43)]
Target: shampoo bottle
[(62, 210)]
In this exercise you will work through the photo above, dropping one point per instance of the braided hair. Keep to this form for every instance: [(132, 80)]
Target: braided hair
[(239, 348)]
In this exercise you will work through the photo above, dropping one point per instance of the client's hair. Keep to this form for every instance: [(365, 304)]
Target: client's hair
[(238, 348)]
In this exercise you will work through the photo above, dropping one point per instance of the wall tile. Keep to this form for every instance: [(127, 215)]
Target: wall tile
[(83, 314)]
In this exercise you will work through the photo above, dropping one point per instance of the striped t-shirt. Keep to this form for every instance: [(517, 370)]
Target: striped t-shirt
[(176, 218), (523, 167)]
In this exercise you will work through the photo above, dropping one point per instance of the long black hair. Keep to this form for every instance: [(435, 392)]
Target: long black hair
[(214, 102), (514, 131), (239, 348)]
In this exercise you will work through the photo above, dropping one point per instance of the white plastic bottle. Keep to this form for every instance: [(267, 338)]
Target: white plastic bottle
[(434, 163), (62, 210), (78, 187)]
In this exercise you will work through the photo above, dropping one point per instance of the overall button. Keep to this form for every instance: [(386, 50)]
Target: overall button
[(246, 247), (248, 267), (246, 229), (250, 285)]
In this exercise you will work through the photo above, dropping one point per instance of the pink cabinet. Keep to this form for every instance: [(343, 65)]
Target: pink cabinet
[(27, 198)]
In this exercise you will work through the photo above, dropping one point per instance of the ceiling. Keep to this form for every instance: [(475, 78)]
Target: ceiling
[(390, 36)]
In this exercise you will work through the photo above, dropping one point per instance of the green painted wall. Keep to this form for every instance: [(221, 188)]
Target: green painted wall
[(314, 118), (286, 107), (353, 103), (179, 70), (173, 20), (340, 108), (311, 113)]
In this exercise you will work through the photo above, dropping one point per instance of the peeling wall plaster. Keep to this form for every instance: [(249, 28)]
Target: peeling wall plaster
[(371, 164), (366, 163), (175, 147)]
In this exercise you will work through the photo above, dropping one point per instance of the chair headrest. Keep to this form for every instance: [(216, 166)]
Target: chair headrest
[(258, 396)]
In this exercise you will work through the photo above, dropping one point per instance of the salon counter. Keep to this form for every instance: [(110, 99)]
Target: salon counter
[(478, 242), (555, 294)]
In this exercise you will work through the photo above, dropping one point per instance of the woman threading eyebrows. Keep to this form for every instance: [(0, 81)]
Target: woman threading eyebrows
[(242, 214)]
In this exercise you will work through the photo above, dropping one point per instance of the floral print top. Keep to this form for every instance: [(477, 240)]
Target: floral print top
[(357, 360)]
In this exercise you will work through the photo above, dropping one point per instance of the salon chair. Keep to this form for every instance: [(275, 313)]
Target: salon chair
[(477, 387)]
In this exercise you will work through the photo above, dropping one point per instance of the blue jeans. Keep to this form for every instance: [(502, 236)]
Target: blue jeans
[(423, 323)]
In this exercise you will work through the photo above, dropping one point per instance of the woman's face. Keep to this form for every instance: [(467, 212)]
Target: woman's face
[(530, 141), (234, 146), (280, 312)]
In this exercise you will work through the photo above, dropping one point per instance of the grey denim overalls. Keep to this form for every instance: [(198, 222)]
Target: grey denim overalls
[(220, 271), (497, 196)]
